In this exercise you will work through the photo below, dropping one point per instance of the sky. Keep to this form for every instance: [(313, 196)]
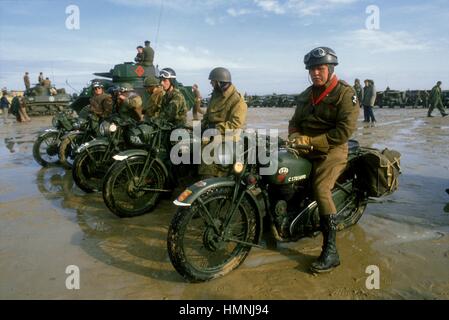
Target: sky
[(400, 44)]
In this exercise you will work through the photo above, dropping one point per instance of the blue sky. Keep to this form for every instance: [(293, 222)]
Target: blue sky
[(262, 42)]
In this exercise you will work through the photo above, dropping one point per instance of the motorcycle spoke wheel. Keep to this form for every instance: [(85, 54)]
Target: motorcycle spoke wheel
[(122, 193), (89, 169), (197, 250), (45, 149)]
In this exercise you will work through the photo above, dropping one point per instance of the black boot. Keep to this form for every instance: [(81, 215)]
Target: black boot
[(328, 258)]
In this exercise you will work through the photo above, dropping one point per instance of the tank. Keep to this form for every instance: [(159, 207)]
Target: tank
[(44, 100), (127, 72)]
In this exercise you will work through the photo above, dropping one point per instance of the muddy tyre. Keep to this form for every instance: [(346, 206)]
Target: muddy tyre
[(200, 254), (89, 169), (353, 212), (45, 149), (121, 192)]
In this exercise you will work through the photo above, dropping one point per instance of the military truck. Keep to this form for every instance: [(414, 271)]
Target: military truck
[(445, 98), (43, 100), (127, 72)]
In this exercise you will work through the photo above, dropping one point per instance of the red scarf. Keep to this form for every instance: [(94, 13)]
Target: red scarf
[(333, 84)]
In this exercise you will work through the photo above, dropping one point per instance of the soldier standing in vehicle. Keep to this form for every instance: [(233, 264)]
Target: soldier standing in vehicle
[(325, 118), (197, 107), (100, 104), (26, 80), (140, 55), (152, 97), (46, 83), (148, 54), (40, 79), (436, 100), (173, 105), (129, 103), (226, 112)]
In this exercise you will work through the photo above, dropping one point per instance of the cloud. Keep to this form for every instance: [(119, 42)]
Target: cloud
[(378, 41), (270, 6), (237, 12), (300, 7)]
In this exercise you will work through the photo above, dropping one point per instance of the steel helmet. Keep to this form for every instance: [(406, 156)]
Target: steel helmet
[(150, 81), (167, 73), (320, 55), (220, 74), (124, 87), (97, 84)]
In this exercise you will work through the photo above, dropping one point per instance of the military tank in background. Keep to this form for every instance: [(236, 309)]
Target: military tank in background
[(127, 72), (43, 100)]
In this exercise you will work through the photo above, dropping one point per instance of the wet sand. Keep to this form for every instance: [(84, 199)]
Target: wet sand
[(47, 224)]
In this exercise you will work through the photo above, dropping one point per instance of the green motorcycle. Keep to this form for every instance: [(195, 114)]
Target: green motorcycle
[(219, 220), (137, 179), (94, 157), (46, 146)]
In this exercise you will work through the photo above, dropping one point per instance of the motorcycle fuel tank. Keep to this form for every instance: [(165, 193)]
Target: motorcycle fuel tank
[(290, 168)]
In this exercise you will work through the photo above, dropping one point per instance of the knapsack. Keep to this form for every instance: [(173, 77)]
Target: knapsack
[(379, 171)]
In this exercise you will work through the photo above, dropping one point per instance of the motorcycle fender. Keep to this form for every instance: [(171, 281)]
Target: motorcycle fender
[(46, 131), (71, 133), (129, 154), (92, 143), (188, 196)]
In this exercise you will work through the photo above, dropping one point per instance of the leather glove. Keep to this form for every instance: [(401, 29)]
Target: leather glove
[(297, 138)]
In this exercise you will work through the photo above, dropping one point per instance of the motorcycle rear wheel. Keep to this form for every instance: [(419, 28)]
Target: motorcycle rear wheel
[(196, 251), (45, 149), (88, 169), (353, 212), (120, 194)]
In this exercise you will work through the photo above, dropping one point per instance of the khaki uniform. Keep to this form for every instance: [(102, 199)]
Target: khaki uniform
[(226, 111), (40, 80), (46, 83), (152, 102), (148, 56), (330, 124), (197, 107), (131, 107), (436, 101), (174, 108), (26, 80), (101, 105)]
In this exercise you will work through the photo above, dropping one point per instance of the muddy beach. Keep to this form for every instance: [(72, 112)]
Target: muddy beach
[(47, 224)]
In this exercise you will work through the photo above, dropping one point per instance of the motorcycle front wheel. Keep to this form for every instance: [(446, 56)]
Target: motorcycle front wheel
[(45, 149), (89, 168), (197, 250), (123, 194)]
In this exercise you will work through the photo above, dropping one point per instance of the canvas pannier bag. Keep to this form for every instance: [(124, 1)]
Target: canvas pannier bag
[(379, 171)]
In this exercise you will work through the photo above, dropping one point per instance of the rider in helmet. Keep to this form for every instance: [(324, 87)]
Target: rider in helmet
[(226, 113), (173, 106), (100, 105), (152, 97), (325, 118), (129, 103)]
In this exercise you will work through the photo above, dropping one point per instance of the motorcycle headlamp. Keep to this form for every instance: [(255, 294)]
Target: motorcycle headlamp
[(113, 127), (238, 167), (104, 128)]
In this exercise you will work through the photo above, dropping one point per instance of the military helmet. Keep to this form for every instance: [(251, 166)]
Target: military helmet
[(124, 87), (150, 81), (320, 55), (220, 74), (167, 73), (97, 84)]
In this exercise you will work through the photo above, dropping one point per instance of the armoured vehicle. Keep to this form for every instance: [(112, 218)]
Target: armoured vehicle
[(445, 98), (43, 100), (391, 98), (127, 72)]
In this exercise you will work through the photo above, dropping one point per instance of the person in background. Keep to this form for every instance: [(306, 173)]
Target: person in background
[(197, 107), (4, 105)]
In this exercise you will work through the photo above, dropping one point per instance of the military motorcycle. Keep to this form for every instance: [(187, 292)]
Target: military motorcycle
[(46, 146), (94, 157), (139, 177), (72, 140), (219, 220)]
